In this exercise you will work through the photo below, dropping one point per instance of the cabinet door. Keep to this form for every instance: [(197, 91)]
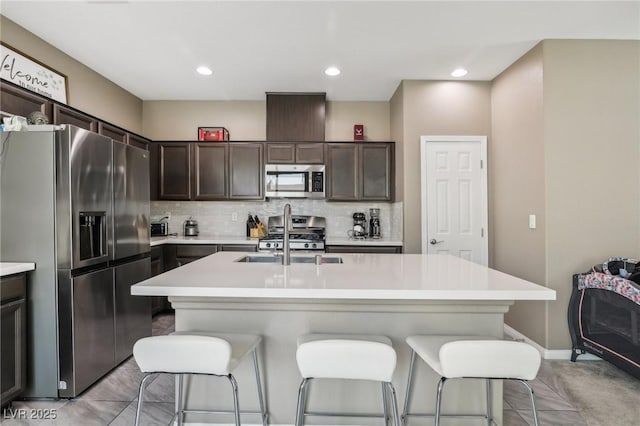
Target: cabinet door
[(281, 153), (137, 141), (246, 171), (310, 153), (210, 171), (64, 115), (174, 171), (376, 172), (17, 101), (13, 337), (113, 132), (342, 171)]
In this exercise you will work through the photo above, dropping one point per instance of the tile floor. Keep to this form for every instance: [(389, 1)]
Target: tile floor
[(112, 401)]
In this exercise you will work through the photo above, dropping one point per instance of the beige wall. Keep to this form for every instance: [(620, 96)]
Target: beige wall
[(246, 120), (88, 91), (436, 108), (517, 184), (592, 146)]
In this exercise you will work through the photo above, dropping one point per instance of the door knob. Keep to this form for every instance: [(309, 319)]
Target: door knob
[(433, 242)]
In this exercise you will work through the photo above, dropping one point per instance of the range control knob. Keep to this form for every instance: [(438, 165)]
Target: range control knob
[(314, 245), (306, 245), (268, 245)]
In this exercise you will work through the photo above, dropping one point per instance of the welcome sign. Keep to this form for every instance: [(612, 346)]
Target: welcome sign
[(32, 75)]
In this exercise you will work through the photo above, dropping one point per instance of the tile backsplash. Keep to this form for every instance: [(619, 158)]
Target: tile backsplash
[(216, 217)]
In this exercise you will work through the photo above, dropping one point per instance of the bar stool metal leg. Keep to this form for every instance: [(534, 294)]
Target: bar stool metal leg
[(180, 407), (302, 399), (256, 367), (489, 402), (385, 402), (407, 394), (143, 385), (439, 399), (236, 405), (394, 403), (533, 401)]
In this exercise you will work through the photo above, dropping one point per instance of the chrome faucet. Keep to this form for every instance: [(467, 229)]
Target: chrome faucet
[(288, 225)]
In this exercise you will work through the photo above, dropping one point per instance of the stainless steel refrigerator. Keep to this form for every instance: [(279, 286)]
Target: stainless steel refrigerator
[(77, 204)]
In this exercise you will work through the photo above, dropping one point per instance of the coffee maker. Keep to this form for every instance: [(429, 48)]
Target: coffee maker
[(359, 225), (374, 223)]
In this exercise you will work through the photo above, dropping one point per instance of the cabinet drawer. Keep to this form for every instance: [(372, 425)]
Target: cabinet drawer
[(12, 287), (238, 247), (199, 250)]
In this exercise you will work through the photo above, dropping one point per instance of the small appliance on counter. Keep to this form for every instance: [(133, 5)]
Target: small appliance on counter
[(359, 230), (160, 228), (190, 228), (374, 223)]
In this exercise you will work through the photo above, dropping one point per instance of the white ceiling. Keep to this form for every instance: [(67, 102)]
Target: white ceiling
[(151, 48)]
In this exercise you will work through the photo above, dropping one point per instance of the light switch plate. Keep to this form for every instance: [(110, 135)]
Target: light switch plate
[(532, 221)]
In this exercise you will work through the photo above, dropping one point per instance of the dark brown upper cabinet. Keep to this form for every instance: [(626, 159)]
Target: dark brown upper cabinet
[(210, 171), (246, 171), (360, 171), (17, 101), (174, 171), (292, 153), (113, 132), (137, 141), (64, 115), (342, 171), (295, 117), (207, 171)]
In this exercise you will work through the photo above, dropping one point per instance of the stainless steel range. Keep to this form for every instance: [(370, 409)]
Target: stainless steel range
[(308, 234)]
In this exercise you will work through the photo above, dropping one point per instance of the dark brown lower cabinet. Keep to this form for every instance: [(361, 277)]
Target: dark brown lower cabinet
[(363, 249), (13, 337), (158, 303), (237, 247)]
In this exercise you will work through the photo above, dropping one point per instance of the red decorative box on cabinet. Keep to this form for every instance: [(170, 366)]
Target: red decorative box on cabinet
[(213, 134)]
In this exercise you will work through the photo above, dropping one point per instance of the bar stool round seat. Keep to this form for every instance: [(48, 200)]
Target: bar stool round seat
[(346, 357), (198, 353), (478, 357)]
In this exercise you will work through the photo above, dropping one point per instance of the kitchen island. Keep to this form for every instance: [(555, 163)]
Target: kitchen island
[(392, 294)]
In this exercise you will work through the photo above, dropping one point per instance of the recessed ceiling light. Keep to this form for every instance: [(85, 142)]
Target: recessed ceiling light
[(204, 70), (332, 71), (459, 72)]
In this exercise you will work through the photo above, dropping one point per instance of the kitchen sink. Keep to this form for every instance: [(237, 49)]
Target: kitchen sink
[(294, 259)]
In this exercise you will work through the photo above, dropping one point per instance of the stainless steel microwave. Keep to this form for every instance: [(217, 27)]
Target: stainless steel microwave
[(294, 181)]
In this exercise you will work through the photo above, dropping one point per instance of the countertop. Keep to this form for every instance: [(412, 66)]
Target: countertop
[(361, 276), (202, 239), (10, 268), (214, 239)]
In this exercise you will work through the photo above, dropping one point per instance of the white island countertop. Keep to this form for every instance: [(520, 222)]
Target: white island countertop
[(10, 268), (361, 276)]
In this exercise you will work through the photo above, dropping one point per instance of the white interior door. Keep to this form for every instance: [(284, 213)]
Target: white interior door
[(454, 196)]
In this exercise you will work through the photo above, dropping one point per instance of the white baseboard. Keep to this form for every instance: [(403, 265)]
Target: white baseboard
[(562, 354)]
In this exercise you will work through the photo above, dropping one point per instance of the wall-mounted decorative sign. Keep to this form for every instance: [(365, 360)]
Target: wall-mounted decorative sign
[(32, 75)]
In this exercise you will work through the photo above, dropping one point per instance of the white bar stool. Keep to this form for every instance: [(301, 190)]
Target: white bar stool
[(198, 352), (477, 357), (347, 357)]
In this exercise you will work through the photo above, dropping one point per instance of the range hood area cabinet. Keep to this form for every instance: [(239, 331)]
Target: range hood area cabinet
[(362, 171), (295, 153), (295, 117), (207, 171)]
